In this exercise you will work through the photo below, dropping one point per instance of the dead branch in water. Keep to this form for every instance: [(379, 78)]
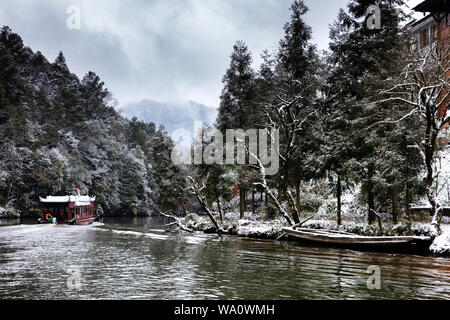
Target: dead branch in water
[(176, 222), (196, 190)]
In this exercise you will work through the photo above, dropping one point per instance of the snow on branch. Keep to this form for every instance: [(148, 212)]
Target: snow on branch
[(176, 222), (196, 190), (265, 186)]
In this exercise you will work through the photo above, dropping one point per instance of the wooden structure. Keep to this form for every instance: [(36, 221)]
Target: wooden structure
[(77, 209), (354, 241), (432, 29)]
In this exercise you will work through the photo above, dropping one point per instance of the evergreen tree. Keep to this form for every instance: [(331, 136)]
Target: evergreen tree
[(11, 54), (60, 62), (169, 178), (236, 105), (361, 59), (290, 100), (235, 101)]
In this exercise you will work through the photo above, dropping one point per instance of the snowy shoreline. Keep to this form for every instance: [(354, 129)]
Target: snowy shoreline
[(255, 227)]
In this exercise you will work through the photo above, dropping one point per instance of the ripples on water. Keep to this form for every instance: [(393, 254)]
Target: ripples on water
[(137, 259)]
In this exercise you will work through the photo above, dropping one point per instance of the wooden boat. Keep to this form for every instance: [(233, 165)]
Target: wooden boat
[(77, 209), (354, 241)]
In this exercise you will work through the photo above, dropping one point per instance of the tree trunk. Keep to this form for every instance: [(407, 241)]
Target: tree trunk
[(429, 144), (394, 207), (339, 196), (219, 207), (291, 200), (242, 202), (253, 201), (245, 200), (408, 209), (276, 202), (371, 197), (297, 197), (371, 203), (201, 199), (269, 212)]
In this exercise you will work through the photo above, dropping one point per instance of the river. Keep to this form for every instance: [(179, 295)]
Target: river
[(137, 259)]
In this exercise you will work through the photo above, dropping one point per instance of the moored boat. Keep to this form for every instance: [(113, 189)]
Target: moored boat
[(354, 241), (77, 209)]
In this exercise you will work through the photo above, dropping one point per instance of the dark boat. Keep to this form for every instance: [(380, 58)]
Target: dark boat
[(77, 209), (354, 241)]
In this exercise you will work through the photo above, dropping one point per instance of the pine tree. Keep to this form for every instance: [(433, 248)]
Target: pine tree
[(60, 62), (236, 105), (361, 59), (235, 101), (11, 54), (290, 92)]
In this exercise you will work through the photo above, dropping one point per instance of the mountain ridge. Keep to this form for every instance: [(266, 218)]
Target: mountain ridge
[(59, 133)]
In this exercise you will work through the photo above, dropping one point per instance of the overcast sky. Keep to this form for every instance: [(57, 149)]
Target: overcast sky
[(167, 51)]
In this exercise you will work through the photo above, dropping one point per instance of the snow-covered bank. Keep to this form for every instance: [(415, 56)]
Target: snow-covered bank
[(441, 245), (254, 226), (9, 212)]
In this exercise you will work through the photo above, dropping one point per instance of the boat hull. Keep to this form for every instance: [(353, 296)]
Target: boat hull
[(85, 221), (78, 221), (353, 241)]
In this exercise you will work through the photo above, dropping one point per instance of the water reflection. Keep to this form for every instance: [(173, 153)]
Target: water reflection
[(137, 259)]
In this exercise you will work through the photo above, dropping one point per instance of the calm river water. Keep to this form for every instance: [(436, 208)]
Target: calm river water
[(137, 259)]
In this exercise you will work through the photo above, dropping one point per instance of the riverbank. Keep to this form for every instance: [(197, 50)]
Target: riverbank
[(255, 226), (9, 212)]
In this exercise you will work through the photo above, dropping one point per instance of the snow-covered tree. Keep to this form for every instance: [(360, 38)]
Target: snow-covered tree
[(424, 88), (291, 103), (360, 60), (236, 108), (169, 178), (235, 100)]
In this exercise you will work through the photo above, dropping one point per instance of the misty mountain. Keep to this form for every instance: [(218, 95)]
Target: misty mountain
[(172, 115)]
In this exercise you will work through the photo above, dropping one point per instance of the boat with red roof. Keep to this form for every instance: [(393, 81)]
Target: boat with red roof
[(78, 209)]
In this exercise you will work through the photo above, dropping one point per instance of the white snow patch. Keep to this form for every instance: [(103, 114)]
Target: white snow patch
[(267, 229), (442, 243), (443, 179)]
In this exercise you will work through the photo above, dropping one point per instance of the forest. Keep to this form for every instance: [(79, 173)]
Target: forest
[(362, 131), (366, 119)]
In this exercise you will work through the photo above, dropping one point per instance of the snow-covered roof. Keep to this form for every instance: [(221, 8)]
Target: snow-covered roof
[(79, 200)]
